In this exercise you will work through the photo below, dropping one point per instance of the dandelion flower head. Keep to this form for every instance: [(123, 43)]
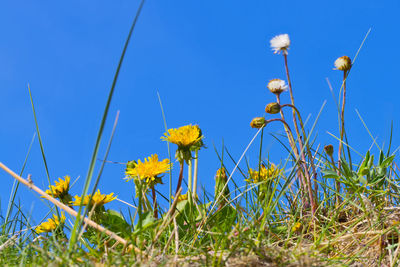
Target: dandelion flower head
[(264, 174), (280, 43), (277, 86), (181, 197), (296, 227), (149, 170), (184, 137), (60, 189), (98, 199), (51, 224)]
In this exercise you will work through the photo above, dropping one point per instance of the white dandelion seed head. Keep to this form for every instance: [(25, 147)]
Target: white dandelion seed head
[(277, 86), (280, 43), (343, 63)]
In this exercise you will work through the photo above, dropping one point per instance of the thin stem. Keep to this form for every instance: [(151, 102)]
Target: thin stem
[(153, 191), (190, 175), (307, 174), (291, 95), (338, 199), (196, 169), (341, 136), (180, 176), (291, 142), (342, 120), (307, 145)]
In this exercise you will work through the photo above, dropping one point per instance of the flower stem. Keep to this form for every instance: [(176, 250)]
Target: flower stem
[(153, 191), (190, 175), (307, 146), (307, 174), (196, 169), (342, 121), (291, 142), (341, 135), (180, 176)]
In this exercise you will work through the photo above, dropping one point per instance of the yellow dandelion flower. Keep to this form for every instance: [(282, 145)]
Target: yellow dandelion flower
[(181, 197), (149, 170), (51, 224), (60, 189), (184, 137), (98, 199), (264, 174), (296, 227)]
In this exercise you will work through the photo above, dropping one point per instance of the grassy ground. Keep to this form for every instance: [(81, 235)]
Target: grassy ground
[(320, 207)]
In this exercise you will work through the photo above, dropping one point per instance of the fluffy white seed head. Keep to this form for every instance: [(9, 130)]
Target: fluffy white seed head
[(343, 63), (280, 43), (277, 86)]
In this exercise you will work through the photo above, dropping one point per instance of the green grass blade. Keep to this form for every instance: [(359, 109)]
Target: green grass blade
[(78, 220), (16, 185), (41, 145), (169, 150)]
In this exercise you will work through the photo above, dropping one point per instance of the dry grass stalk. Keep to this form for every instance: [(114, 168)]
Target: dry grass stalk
[(65, 207)]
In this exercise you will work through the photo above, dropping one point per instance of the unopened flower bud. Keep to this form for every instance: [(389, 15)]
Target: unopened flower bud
[(273, 108), (343, 63), (258, 122), (329, 150), (277, 86), (221, 188)]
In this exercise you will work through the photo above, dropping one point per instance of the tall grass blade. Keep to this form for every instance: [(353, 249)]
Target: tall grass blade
[(41, 144), (15, 187), (78, 220), (169, 150)]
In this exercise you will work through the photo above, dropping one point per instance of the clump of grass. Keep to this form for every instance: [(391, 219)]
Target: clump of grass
[(308, 210)]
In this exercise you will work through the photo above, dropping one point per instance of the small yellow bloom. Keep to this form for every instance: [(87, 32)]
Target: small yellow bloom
[(60, 189), (221, 174), (264, 174), (149, 170), (181, 197), (51, 224), (296, 227), (184, 137), (98, 199)]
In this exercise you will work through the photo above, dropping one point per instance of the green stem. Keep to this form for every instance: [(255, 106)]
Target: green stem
[(190, 175), (196, 169)]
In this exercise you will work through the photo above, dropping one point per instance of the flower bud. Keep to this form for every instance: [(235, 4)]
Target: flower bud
[(329, 150), (277, 86), (221, 188), (273, 108), (343, 63), (258, 122)]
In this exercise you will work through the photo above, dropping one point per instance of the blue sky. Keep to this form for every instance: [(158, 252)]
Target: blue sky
[(209, 60)]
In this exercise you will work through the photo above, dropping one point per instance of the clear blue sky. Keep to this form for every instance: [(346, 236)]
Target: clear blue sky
[(210, 62)]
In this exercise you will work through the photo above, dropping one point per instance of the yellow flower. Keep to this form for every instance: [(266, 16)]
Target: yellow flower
[(149, 170), (51, 224), (184, 137), (181, 197), (264, 174), (296, 227), (60, 189), (98, 199)]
